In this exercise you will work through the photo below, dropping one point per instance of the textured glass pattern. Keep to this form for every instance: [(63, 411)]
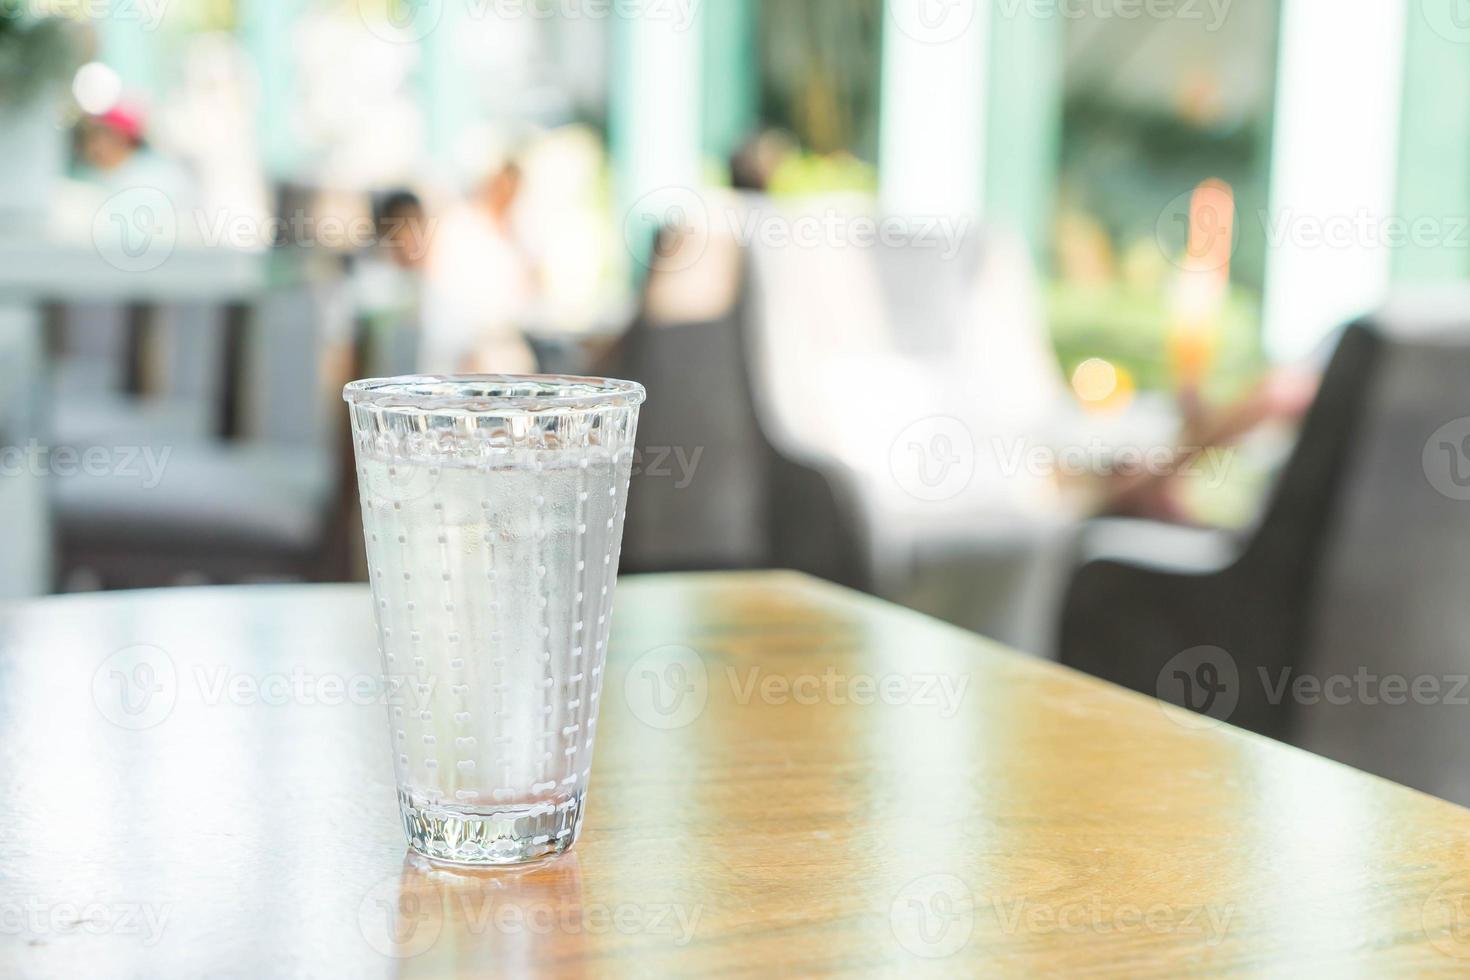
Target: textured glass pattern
[(492, 511)]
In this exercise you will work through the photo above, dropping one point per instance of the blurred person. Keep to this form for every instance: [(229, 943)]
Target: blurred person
[(478, 285), (115, 156), (756, 161), (402, 226), (1282, 397), (388, 283)]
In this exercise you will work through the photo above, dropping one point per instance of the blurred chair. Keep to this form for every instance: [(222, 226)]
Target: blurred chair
[(709, 488), (1144, 592), (25, 542), (1358, 565), (124, 371), (866, 356), (245, 480)]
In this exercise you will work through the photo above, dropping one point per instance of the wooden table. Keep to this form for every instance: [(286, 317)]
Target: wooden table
[(829, 784)]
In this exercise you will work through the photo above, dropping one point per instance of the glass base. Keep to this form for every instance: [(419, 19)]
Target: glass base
[(480, 836)]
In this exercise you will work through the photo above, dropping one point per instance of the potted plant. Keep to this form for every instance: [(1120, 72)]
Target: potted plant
[(37, 57)]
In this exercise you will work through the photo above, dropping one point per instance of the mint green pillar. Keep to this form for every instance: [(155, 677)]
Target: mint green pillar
[(265, 28), (1024, 123), (131, 47), (731, 75), (654, 121), (447, 101), (1434, 143)]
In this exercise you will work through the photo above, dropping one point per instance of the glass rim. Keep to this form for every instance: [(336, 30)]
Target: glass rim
[(493, 393)]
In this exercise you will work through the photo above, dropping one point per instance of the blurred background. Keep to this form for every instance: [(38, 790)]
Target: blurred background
[(1126, 332)]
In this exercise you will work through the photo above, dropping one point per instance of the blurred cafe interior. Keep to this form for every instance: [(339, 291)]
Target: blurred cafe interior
[(1108, 331)]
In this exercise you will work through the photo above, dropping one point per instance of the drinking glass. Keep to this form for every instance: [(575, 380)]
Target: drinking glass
[(492, 508)]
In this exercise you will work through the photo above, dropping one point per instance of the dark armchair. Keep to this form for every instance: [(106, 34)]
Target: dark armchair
[(1144, 593), (1345, 612)]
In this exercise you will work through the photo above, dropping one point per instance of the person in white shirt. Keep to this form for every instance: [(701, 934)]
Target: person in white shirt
[(478, 286)]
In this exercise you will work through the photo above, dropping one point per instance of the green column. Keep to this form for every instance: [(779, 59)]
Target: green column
[(264, 28), (1024, 123), (447, 102), (131, 47), (731, 75), (1434, 143), (654, 122)]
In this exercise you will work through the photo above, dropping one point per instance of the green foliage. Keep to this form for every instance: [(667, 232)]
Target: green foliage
[(801, 174), (1129, 326), (35, 52), (821, 61)]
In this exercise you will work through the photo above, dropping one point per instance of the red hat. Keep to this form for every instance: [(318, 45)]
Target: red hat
[(124, 120)]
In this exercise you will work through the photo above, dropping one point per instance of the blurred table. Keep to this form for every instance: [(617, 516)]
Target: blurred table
[(829, 784)]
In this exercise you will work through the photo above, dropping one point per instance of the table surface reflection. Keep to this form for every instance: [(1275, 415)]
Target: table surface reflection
[(790, 778)]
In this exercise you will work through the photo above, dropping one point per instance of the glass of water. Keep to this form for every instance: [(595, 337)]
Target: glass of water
[(492, 508)]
